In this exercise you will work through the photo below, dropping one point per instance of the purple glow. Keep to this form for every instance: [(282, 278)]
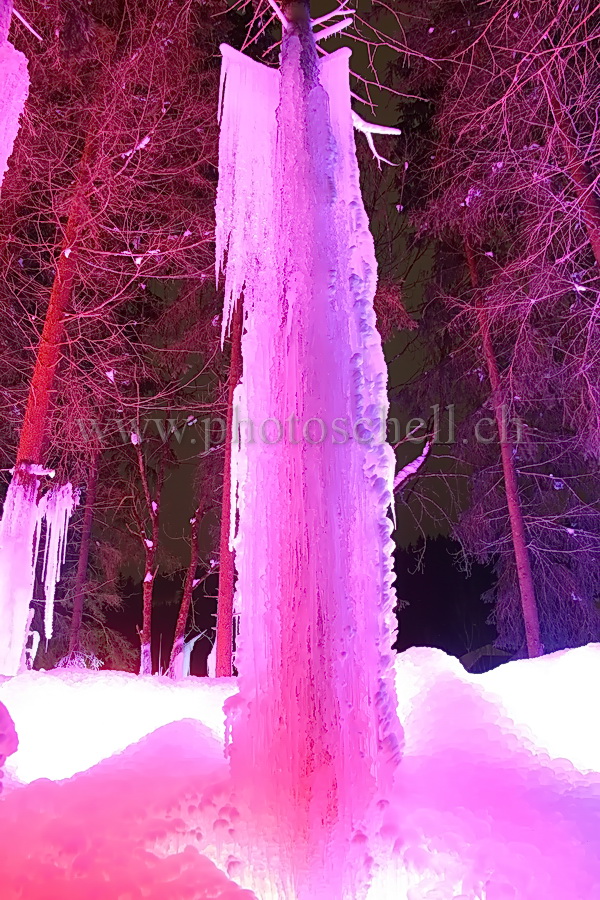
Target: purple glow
[(496, 795), (314, 733)]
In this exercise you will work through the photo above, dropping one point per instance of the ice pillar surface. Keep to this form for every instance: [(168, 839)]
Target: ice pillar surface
[(19, 515), (314, 735), (14, 80)]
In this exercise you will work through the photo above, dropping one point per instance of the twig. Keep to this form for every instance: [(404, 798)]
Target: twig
[(340, 11), (29, 27), (369, 129)]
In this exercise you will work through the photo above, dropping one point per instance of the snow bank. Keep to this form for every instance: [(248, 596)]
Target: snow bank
[(114, 832), (497, 796), (550, 701), (547, 700), (68, 720)]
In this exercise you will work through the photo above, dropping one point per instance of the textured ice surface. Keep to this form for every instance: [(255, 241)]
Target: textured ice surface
[(482, 807), (14, 79), (126, 829), (8, 738), (316, 720)]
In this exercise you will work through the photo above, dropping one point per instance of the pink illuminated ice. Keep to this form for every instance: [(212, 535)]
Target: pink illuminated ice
[(314, 732)]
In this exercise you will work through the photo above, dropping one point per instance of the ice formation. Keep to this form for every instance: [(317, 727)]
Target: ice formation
[(314, 733), (8, 738), (27, 519), (497, 796), (55, 509), (14, 79)]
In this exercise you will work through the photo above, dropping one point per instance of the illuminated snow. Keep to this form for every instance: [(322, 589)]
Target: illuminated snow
[(482, 809), (69, 720)]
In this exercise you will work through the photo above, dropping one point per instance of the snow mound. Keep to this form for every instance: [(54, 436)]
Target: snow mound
[(544, 701), (113, 832), (488, 805), (68, 720), (497, 796), (549, 700)]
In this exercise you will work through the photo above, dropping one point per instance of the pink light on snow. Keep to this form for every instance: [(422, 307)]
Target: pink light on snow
[(484, 806)]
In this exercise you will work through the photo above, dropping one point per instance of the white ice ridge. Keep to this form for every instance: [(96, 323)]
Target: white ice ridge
[(315, 732)]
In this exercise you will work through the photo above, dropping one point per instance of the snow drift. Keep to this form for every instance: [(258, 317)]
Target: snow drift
[(497, 796)]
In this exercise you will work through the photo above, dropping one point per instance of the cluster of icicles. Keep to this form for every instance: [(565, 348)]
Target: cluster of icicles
[(30, 520)]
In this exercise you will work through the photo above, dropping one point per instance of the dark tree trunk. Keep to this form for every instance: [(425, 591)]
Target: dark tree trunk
[(515, 513), (150, 555), (84, 555), (35, 422), (224, 636), (177, 654)]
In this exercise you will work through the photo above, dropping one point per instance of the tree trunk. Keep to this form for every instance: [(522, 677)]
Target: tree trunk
[(224, 636), (146, 632), (176, 663), (297, 11), (151, 546), (84, 554), (515, 513), (17, 589), (150, 551), (35, 422)]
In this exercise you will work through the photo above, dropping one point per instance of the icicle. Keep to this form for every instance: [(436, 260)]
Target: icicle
[(15, 87), (315, 735), (244, 206), (55, 508), (20, 532), (19, 536)]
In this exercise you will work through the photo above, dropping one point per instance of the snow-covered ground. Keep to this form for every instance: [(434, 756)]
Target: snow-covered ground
[(497, 796)]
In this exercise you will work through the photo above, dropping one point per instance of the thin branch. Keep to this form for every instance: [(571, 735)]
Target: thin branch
[(278, 12), (29, 27)]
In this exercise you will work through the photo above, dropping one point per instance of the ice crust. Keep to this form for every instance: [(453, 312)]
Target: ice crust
[(487, 804), (8, 738)]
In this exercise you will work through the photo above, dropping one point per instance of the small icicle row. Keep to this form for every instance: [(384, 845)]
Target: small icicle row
[(244, 206), (55, 508)]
